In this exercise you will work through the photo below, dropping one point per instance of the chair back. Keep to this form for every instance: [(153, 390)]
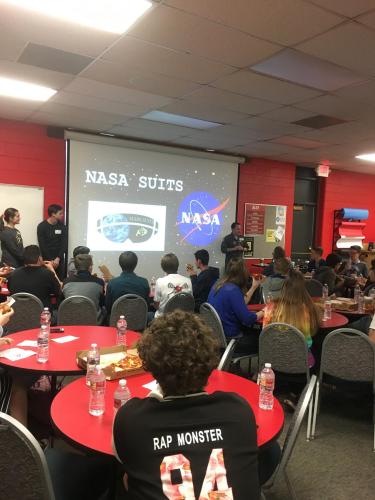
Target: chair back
[(226, 358), (134, 308), (314, 288), (284, 346), (77, 310), (368, 288), (24, 470), (5, 389), (295, 423), (181, 300), (348, 354), (212, 319), (27, 309)]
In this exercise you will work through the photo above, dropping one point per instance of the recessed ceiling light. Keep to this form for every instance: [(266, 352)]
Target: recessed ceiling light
[(183, 121), (115, 16), (24, 90), (210, 150), (367, 157)]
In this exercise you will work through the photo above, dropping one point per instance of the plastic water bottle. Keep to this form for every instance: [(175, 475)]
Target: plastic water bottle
[(152, 286), (325, 292), (266, 387), (121, 331), (357, 291), (361, 302), (42, 353), (93, 360), (327, 310), (121, 396), (97, 392), (45, 318)]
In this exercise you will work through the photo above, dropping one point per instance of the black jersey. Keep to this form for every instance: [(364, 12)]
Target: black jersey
[(196, 447)]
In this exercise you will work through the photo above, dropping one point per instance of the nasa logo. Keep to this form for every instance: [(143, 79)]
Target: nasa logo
[(200, 218)]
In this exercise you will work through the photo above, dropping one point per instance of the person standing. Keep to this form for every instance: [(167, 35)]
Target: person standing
[(11, 239), (232, 246), (52, 238)]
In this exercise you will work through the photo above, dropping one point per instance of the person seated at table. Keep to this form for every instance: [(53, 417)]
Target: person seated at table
[(328, 275), (229, 296), (169, 285), (316, 259), (371, 274), (278, 253), (357, 267), (295, 307), (80, 250), (84, 283), (4, 319), (202, 282), (182, 442), (36, 277), (272, 285), (127, 282)]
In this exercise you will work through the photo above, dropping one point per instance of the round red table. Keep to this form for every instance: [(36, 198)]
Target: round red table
[(69, 410), (62, 357), (337, 321), (256, 307)]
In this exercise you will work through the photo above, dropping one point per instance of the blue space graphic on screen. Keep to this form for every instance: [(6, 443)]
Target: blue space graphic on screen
[(199, 219)]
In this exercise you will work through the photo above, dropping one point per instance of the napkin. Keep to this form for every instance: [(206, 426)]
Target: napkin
[(14, 354)]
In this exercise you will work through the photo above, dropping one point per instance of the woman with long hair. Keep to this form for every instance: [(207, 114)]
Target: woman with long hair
[(11, 239), (294, 307), (229, 296)]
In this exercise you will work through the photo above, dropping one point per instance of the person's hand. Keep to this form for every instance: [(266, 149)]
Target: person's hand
[(5, 271), (260, 315), (190, 270), (238, 248), (56, 262), (4, 318), (5, 341), (49, 265)]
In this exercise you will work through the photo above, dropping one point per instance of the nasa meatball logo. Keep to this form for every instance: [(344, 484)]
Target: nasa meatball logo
[(200, 218), (120, 227)]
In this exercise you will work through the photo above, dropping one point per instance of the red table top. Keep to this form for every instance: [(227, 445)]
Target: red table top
[(69, 410), (62, 357)]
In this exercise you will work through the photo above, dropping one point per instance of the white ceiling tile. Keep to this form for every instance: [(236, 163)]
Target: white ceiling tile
[(364, 92), (350, 45), (11, 46), (121, 94), (298, 142), (83, 123), (17, 109), (210, 113), (211, 96), (48, 31), (345, 133), (348, 8), (337, 107), (156, 59), (271, 126), (134, 78), (146, 129), (264, 87), (33, 74), (98, 104), (282, 21), (287, 114), (181, 31)]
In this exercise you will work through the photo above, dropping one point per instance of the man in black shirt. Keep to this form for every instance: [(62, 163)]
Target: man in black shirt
[(35, 277), (52, 238), (202, 282), (182, 442), (232, 244)]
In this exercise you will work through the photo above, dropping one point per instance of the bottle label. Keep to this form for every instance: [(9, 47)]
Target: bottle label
[(118, 403)]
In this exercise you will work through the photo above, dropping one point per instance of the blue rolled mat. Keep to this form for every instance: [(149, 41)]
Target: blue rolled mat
[(354, 213)]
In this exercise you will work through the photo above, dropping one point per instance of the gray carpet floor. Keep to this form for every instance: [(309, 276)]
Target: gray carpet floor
[(339, 464)]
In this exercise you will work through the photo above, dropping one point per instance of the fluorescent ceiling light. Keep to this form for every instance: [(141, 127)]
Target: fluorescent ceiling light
[(115, 16), (183, 121), (24, 90), (367, 157)]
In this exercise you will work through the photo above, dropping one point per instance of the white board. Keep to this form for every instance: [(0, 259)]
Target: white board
[(29, 201)]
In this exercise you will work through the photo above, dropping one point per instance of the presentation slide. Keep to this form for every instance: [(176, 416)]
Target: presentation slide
[(148, 202)]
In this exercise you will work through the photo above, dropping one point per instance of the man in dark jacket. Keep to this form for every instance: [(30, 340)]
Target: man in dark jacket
[(232, 244), (316, 260), (202, 282), (52, 238), (328, 275)]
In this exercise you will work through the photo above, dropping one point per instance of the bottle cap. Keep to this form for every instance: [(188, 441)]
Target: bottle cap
[(267, 365), (122, 317), (45, 309), (122, 382), (94, 345)]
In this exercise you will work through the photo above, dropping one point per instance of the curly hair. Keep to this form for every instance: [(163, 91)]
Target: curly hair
[(180, 351)]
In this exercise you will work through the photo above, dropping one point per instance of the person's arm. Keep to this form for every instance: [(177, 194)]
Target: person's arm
[(55, 283), (9, 239), (157, 295), (251, 290), (365, 272), (109, 298), (42, 239), (226, 249), (240, 309), (371, 331)]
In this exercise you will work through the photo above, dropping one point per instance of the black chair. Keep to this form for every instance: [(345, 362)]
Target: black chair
[(23, 467), (181, 300), (5, 390), (77, 310), (314, 288), (134, 308), (27, 310), (227, 357), (368, 289)]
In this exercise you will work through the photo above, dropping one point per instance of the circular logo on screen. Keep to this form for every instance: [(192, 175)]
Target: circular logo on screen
[(200, 218)]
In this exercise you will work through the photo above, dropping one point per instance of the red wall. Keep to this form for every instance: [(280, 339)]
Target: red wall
[(29, 158), (345, 190), (268, 182)]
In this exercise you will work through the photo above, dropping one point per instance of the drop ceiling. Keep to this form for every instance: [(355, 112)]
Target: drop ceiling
[(262, 69)]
